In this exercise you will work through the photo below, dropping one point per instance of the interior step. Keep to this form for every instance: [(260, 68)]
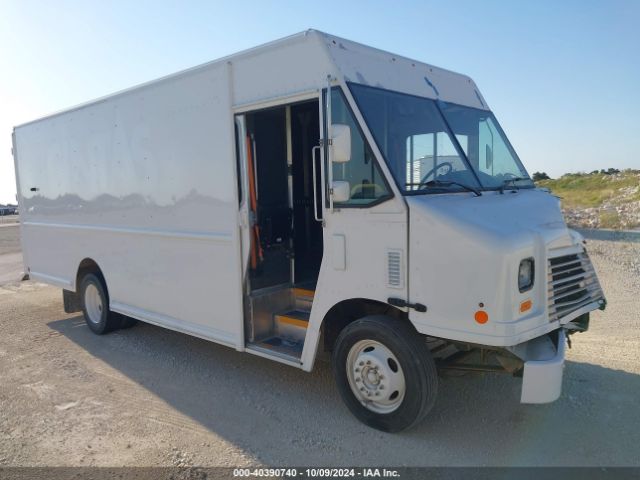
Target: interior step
[(292, 325), (283, 347), (303, 298)]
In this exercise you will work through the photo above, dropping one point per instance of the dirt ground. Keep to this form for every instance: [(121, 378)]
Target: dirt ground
[(11, 267), (151, 397)]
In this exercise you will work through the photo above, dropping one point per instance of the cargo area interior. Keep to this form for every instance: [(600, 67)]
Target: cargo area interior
[(286, 240)]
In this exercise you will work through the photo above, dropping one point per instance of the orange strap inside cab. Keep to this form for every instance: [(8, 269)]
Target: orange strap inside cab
[(256, 248)]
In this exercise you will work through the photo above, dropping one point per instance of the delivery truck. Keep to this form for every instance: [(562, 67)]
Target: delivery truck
[(306, 196)]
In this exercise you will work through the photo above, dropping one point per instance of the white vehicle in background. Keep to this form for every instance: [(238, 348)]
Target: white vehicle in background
[(312, 194)]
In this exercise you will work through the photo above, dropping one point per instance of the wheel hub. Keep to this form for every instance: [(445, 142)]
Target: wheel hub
[(93, 303), (375, 376)]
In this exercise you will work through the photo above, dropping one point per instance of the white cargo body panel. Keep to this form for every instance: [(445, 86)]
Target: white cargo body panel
[(144, 184)]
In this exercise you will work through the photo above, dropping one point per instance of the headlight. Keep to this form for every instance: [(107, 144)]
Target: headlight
[(525, 275)]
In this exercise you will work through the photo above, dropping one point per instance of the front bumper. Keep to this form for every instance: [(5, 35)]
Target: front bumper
[(543, 367)]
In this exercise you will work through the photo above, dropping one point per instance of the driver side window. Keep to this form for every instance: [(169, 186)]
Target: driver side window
[(366, 182)]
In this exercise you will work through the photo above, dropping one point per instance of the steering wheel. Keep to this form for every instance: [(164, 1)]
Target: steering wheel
[(447, 165)]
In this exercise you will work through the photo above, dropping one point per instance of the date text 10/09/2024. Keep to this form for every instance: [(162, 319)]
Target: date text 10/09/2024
[(317, 472)]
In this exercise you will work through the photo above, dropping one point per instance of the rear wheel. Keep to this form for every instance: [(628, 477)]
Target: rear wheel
[(385, 373), (95, 305)]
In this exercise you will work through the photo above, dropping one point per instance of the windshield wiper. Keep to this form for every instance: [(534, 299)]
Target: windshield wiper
[(447, 183), (511, 180)]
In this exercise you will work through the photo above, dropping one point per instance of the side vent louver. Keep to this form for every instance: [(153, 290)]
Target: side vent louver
[(395, 276)]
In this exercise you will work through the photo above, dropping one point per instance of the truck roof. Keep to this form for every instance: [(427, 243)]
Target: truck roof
[(344, 59)]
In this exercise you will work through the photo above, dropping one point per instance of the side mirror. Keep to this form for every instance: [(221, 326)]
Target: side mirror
[(488, 157), (341, 191), (341, 143)]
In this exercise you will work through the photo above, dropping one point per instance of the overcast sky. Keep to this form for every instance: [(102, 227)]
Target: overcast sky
[(561, 76)]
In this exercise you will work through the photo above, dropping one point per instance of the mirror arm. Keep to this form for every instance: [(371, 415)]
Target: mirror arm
[(329, 142)]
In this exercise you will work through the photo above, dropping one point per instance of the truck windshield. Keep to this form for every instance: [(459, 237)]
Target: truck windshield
[(429, 144)]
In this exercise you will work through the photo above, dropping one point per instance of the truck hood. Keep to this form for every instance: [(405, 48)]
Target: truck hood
[(464, 254), (509, 218)]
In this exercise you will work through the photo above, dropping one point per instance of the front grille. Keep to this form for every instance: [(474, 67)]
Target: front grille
[(572, 284)]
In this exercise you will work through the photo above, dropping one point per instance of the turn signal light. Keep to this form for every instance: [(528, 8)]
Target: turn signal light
[(481, 317), (525, 306)]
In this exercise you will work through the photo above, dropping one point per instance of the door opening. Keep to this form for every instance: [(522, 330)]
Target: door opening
[(286, 249), (270, 265)]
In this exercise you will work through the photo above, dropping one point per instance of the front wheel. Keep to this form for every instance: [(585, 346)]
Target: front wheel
[(385, 373)]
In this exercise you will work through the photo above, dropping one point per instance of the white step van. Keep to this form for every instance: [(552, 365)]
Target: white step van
[(311, 195)]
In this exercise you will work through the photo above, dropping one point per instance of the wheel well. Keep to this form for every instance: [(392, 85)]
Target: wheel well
[(347, 311), (87, 265)]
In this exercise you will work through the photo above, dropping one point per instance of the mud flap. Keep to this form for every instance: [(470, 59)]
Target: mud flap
[(71, 301), (543, 368)]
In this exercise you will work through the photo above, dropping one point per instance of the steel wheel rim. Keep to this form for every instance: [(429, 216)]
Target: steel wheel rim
[(93, 303), (375, 376)]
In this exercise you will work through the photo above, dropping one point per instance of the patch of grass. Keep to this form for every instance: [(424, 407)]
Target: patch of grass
[(581, 190)]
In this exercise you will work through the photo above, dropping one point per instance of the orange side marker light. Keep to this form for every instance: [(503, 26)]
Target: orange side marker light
[(481, 317)]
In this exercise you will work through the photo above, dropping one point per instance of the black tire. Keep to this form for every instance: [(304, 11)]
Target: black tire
[(104, 321), (417, 365)]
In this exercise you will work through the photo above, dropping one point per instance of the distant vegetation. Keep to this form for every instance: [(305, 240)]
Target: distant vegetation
[(600, 199), (537, 176)]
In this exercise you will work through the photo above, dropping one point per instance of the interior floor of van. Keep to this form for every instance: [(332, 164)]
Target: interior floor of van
[(286, 249)]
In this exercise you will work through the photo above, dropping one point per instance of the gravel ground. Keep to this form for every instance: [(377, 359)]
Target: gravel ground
[(9, 219), (151, 397), (9, 238), (11, 267)]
